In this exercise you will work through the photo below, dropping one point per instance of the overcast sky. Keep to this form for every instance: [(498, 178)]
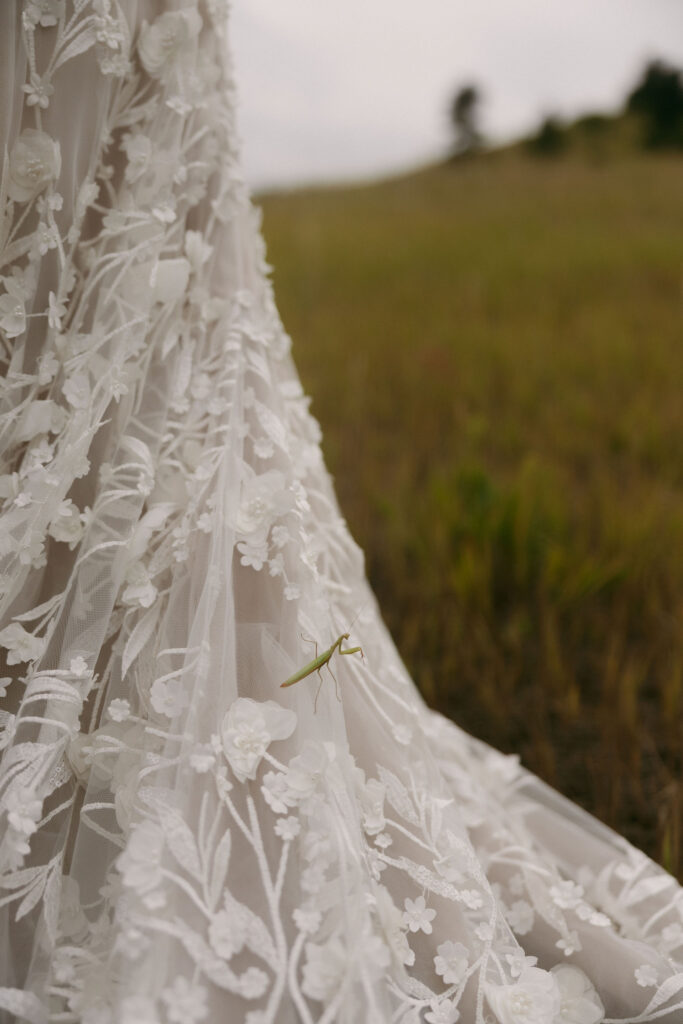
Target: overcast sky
[(342, 89)]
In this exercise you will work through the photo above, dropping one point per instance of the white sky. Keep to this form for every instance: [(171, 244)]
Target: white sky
[(342, 89)]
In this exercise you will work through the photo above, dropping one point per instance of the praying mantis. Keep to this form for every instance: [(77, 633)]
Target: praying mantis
[(317, 663)]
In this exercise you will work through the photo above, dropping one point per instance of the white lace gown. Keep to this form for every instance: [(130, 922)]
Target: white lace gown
[(183, 840)]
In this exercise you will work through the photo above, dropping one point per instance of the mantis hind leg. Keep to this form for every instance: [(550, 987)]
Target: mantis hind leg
[(317, 693), (336, 682)]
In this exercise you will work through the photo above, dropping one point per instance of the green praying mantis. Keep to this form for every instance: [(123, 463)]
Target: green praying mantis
[(319, 661)]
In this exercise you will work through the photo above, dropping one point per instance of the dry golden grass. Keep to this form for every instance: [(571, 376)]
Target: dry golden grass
[(495, 354)]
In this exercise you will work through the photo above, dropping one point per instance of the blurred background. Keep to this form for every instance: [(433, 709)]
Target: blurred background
[(475, 219)]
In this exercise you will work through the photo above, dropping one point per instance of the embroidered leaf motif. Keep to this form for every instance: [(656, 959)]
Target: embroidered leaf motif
[(258, 938), (139, 449), (645, 888), (34, 892), (272, 424), (178, 836), (141, 634), (429, 880), (397, 795), (82, 42), (181, 842), (668, 989), (217, 970), (51, 902), (39, 610), (220, 867), (258, 362)]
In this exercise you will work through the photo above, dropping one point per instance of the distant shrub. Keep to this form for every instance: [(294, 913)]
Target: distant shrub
[(599, 135), (594, 124), (550, 139)]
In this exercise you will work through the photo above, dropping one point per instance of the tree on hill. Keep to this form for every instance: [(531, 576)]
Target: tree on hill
[(658, 100), (465, 119)]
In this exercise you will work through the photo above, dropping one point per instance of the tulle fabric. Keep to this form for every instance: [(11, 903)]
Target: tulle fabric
[(184, 840)]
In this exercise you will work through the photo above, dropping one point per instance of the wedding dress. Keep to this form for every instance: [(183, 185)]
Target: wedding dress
[(183, 839)]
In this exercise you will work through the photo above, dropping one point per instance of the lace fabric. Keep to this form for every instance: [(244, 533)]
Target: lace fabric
[(183, 839)]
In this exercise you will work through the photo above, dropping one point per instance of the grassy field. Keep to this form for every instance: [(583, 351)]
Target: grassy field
[(495, 354)]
